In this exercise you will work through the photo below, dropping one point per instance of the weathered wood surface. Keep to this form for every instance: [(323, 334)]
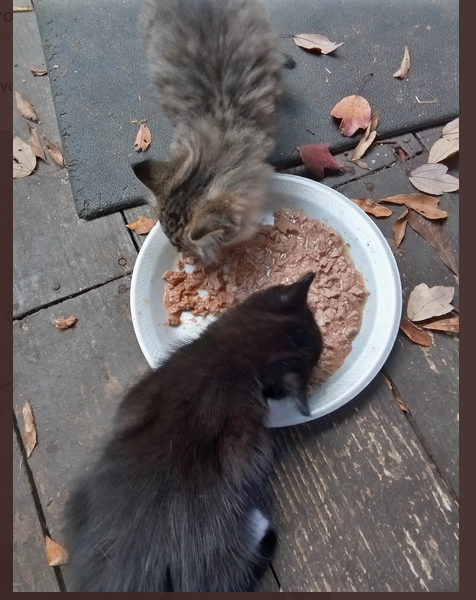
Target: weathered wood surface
[(427, 378), (359, 507), (31, 572), (52, 247)]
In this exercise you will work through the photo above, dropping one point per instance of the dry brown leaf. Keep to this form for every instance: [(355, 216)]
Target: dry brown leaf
[(400, 227), (432, 232), (143, 139), (54, 152), (38, 72), (25, 108), (425, 302), (24, 161), (416, 334), (315, 41), (433, 179), (142, 226), (447, 145), (395, 393), (450, 325), (355, 113), (316, 157), (35, 144), (425, 205), (372, 208), (365, 142), (29, 434), (56, 555), (65, 323), (402, 72)]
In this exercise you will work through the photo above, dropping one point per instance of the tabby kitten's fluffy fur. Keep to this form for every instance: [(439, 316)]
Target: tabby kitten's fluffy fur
[(217, 70), (175, 502)]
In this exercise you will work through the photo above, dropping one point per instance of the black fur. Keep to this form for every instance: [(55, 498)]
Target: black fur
[(168, 506)]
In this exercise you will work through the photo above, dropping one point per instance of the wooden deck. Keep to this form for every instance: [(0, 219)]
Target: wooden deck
[(365, 499)]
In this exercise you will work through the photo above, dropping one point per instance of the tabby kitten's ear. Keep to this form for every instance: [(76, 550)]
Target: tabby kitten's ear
[(153, 174)]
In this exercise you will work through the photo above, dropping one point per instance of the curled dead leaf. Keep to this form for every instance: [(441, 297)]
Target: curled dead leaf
[(425, 302), (24, 161), (433, 179), (396, 394), (142, 226), (65, 323), (315, 41), (35, 143), (400, 227), (447, 145), (29, 434), (25, 108), (363, 145), (402, 72), (355, 113), (432, 232), (38, 72), (56, 555), (54, 152), (416, 334), (316, 158), (425, 205), (450, 325), (372, 208), (143, 138)]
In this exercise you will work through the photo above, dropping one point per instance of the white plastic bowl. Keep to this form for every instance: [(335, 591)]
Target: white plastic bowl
[(371, 255)]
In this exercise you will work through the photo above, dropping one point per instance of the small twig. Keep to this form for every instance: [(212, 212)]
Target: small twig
[(426, 101), (364, 81), (19, 9), (388, 142), (311, 132)]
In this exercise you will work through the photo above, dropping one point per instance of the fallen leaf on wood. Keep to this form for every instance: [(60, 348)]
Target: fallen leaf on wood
[(450, 325), (362, 165), (315, 41), (372, 208), (395, 393), (416, 334), (425, 205), (402, 155), (432, 232), (25, 108), (142, 226), (143, 139), (367, 139), (425, 303), (316, 157), (24, 161), (400, 227), (29, 434), (56, 555), (35, 144), (38, 72), (432, 179), (54, 152), (355, 113), (65, 323), (404, 66), (447, 145), (451, 130)]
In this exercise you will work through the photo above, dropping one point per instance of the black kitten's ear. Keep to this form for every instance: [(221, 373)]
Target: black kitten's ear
[(296, 293)]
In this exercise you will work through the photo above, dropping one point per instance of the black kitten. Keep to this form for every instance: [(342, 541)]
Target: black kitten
[(175, 502)]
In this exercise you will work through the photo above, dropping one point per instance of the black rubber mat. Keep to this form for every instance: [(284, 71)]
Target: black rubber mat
[(99, 81)]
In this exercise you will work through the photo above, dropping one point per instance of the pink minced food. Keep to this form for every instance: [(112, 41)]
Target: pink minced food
[(281, 253)]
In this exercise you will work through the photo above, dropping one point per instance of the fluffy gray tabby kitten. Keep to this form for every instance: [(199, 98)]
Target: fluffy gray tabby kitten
[(217, 69)]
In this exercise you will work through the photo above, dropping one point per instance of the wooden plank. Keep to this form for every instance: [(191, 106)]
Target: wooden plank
[(31, 572), (74, 379), (358, 506), (427, 378), (52, 246)]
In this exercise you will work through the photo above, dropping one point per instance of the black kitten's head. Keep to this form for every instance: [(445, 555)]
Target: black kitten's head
[(284, 338)]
